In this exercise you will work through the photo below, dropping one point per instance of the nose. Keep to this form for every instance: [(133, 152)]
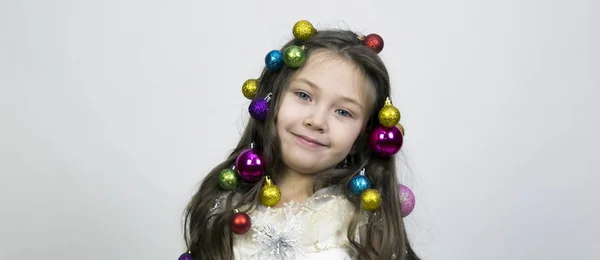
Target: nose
[(316, 121)]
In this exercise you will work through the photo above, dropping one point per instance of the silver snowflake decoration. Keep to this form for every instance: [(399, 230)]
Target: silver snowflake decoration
[(279, 238)]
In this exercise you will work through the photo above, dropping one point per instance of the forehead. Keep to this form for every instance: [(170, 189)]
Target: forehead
[(336, 75)]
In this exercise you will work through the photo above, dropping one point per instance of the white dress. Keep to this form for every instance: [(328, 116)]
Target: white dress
[(314, 229)]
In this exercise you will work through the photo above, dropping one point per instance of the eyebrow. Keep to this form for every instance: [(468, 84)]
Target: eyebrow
[(344, 98), (310, 83)]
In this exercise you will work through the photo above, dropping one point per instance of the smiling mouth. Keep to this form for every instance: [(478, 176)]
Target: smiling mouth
[(309, 141)]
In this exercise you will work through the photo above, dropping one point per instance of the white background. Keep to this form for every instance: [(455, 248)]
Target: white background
[(112, 111)]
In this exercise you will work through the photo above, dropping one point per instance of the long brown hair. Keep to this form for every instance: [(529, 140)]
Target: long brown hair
[(207, 233)]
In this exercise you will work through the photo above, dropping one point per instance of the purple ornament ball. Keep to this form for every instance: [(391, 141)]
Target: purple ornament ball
[(259, 108), (186, 256), (407, 200), (249, 165), (385, 141)]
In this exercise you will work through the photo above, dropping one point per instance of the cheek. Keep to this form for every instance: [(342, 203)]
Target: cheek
[(289, 110), (285, 106), (282, 115), (286, 114), (348, 134)]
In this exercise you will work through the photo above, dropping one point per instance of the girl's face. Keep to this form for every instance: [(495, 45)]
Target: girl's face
[(322, 113)]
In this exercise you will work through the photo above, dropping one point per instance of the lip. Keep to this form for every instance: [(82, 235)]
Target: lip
[(308, 141)]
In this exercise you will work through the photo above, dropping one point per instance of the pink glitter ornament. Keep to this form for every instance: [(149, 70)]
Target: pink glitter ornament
[(249, 165), (407, 200), (385, 141)]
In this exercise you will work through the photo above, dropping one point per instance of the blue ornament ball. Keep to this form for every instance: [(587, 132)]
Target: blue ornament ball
[(358, 184), (274, 60)]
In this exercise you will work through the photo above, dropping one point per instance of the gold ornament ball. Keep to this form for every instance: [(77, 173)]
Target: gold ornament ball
[(389, 115), (401, 128), (250, 88), (303, 30), (371, 200), (270, 194)]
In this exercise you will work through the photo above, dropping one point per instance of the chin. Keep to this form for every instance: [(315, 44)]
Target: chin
[(307, 166), (303, 168)]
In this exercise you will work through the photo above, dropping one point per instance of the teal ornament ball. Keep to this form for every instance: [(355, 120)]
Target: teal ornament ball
[(358, 184), (228, 179), (274, 60), (293, 56)]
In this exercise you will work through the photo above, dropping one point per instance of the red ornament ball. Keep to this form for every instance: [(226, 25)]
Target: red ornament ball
[(240, 223), (374, 42)]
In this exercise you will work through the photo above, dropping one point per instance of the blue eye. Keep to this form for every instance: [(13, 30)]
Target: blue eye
[(302, 95), (343, 112)]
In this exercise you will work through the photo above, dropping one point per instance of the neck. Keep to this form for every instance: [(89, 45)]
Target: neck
[(295, 186)]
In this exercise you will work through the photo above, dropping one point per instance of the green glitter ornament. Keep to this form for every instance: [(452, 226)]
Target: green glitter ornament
[(293, 56), (228, 179)]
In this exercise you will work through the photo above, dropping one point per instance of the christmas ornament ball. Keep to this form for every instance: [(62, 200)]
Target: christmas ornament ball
[(389, 115), (303, 30), (228, 179), (185, 256), (249, 165), (250, 88), (407, 200), (274, 60), (385, 141), (401, 128), (371, 200), (358, 184), (240, 223), (293, 56), (374, 42), (270, 194), (259, 108)]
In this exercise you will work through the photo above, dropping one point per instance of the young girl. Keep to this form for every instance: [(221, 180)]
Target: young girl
[(313, 176)]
